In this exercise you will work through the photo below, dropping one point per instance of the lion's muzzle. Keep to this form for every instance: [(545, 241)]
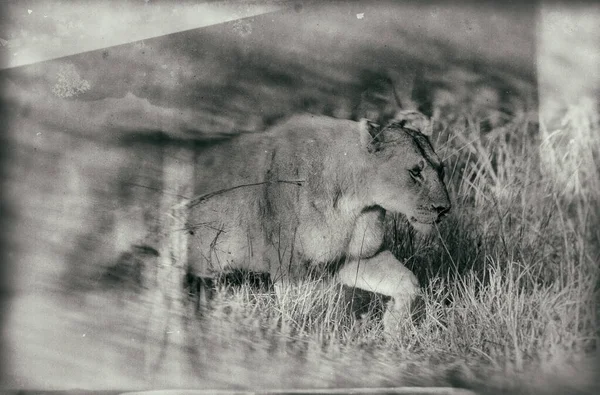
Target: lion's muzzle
[(430, 215)]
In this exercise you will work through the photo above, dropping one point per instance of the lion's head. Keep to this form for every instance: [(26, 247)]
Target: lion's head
[(407, 176)]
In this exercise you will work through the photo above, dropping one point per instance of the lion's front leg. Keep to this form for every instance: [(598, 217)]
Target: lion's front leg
[(384, 274)]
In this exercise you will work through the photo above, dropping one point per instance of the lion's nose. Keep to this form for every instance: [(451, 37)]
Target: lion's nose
[(441, 210)]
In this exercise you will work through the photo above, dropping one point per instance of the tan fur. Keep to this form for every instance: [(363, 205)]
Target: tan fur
[(314, 190)]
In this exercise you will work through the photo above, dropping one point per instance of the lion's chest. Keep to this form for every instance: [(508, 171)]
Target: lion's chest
[(328, 238)]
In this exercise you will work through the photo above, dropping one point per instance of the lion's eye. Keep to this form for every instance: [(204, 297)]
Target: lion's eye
[(415, 172)]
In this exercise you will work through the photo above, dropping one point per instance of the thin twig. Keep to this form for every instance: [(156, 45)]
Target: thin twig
[(157, 189)]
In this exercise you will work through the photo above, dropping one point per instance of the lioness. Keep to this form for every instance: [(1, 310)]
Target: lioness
[(314, 190)]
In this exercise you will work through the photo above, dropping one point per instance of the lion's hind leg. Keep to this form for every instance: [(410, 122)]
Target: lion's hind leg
[(384, 274)]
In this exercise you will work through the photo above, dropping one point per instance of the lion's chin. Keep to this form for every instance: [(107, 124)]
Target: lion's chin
[(425, 228)]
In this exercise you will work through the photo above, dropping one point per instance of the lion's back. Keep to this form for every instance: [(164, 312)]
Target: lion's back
[(247, 158), (323, 129)]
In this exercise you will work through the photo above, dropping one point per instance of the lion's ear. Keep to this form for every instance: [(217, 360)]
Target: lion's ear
[(369, 134), (415, 120)]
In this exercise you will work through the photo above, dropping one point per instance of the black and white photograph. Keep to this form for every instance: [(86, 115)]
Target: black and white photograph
[(279, 196)]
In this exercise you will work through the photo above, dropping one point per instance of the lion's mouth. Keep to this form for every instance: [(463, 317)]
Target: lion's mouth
[(429, 221)]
